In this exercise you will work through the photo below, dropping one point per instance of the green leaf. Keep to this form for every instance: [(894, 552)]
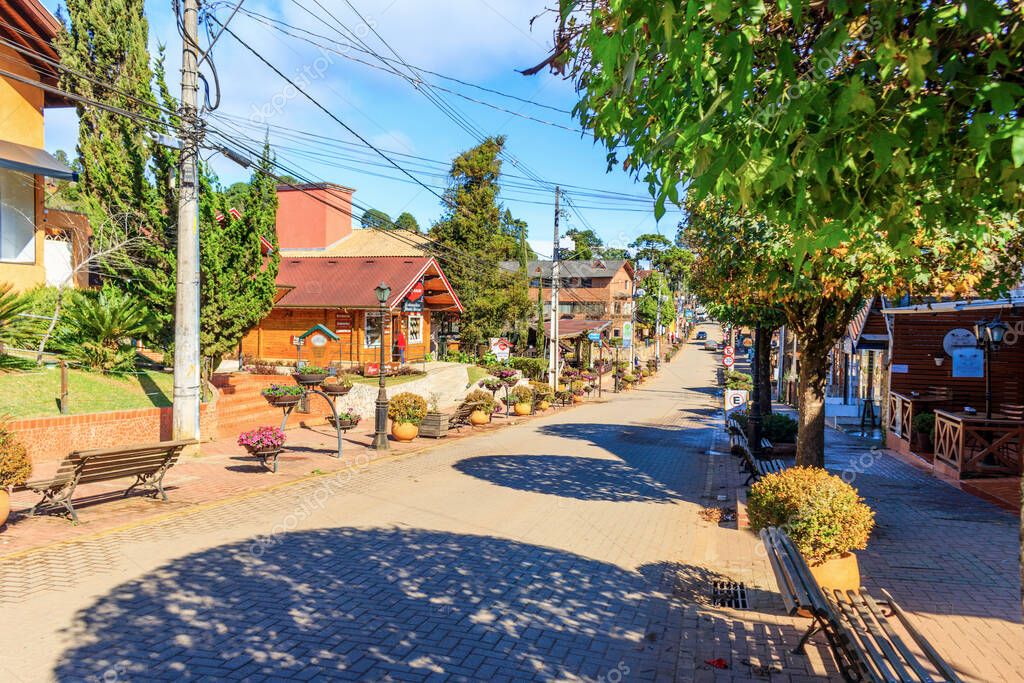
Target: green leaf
[(916, 59), (720, 10), (1017, 148)]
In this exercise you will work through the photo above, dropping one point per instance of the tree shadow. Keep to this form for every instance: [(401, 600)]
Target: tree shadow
[(152, 390), (568, 476), (376, 604)]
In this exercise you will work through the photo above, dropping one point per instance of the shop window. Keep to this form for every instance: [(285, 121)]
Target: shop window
[(372, 328), (415, 329), (17, 217)]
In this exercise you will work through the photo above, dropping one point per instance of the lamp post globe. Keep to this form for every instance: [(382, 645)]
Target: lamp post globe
[(996, 331), (380, 437)]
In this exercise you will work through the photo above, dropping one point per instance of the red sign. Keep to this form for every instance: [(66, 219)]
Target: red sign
[(416, 293), (729, 351), (372, 370), (343, 323), (728, 361)]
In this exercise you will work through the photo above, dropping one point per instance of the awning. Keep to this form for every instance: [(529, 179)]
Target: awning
[(1015, 299), (35, 161), (570, 328)]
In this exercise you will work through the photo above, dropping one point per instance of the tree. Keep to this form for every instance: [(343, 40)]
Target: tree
[(745, 262), (237, 284), (656, 289), (838, 118), (586, 245), (473, 239), (376, 220), (648, 247), (406, 221)]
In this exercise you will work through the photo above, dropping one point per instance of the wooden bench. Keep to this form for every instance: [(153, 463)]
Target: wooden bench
[(863, 637), (148, 463), (766, 446), (758, 467)]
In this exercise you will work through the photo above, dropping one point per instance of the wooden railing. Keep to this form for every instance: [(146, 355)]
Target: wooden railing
[(901, 414), (975, 446)]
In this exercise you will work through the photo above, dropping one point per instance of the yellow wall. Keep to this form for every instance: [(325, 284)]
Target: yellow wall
[(21, 121)]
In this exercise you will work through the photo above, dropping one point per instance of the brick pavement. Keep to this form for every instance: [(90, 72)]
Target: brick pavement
[(568, 547)]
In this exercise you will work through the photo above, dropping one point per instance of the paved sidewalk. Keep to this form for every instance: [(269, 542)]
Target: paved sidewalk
[(568, 547)]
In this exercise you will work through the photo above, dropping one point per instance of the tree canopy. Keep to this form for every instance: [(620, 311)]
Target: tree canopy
[(406, 221), (376, 219), (840, 118)]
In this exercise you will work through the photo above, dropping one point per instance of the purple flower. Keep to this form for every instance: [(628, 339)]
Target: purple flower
[(261, 439)]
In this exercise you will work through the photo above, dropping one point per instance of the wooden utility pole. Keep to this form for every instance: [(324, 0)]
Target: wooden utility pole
[(553, 365), (185, 412)]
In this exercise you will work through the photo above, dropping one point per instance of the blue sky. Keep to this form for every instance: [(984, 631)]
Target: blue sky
[(479, 41)]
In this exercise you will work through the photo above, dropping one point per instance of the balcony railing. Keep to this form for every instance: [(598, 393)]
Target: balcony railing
[(975, 446)]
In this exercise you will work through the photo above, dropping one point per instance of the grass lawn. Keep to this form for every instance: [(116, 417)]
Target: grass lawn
[(388, 381), (34, 393), (476, 373)]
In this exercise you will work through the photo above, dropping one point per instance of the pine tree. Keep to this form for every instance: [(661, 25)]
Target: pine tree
[(494, 299), (237, 280)]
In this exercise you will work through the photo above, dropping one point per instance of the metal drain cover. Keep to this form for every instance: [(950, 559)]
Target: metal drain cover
[(729, 594)]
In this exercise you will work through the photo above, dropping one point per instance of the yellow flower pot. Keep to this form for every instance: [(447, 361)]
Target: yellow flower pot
[(479, 417), (522, 408), (543, 405), (577, 399), (404, 431)]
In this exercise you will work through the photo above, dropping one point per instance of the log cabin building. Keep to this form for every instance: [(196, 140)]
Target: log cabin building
[(327, 277)]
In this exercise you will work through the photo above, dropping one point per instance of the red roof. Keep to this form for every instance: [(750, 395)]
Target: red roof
[(572, 327), (340, 282)]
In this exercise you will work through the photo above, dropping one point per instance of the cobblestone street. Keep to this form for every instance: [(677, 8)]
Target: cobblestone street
[(568, 547)]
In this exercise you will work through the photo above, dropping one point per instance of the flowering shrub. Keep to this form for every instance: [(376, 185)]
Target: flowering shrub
[(480, 400), (278, 390), (15, 465), (578, 388), (492, 383), (311, 370), (542, 391), (521, 394), (823, 515), (262, 439), (407, 407)]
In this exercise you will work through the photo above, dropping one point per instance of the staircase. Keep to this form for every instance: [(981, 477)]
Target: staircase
[(241, 407)]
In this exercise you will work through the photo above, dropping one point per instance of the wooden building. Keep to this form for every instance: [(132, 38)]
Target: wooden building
[(936, 366), (338, 293)]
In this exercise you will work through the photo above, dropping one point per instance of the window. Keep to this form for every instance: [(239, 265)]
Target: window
[(616, 332), (535, 282), (565, 309), (372, 329), (415, 329), (587, 283), (17, 217), (618, 308)]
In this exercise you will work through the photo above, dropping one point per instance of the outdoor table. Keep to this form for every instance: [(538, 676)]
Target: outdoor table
[(975, 445)]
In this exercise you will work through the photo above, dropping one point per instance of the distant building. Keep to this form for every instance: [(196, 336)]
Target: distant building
[(36, 246), (595, 289)]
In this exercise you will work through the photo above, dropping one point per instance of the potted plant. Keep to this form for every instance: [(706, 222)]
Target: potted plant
[(781, 431), (922, 431), (406, 411), (346, 420), (578, 389), (283, 395), (542, 395), (483, 405), (563, 396), (264, 442), (627, 381), (435, 424), (492, 384), (15, 469), (522, 399), (823, 515), (309, 375), (337, 385)]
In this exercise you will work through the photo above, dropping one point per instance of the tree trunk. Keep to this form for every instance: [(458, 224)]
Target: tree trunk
[(810, 442), (763, 367)]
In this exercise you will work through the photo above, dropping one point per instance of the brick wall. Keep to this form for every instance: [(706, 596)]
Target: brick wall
[(51, 438)]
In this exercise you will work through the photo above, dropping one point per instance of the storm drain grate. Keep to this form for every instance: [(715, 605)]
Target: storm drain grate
[(729, 594)]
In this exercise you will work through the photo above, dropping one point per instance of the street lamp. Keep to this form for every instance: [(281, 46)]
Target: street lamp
[(989, 336), (380, 438)]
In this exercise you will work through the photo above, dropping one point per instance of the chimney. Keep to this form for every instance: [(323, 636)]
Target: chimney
[(314, 215)]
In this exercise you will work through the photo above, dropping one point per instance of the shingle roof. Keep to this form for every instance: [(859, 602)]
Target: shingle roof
[(330, 282), (569, 328), (588, 268), (371, 243)]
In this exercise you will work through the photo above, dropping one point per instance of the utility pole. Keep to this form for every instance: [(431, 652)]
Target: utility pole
[(553, 366), (657, 327), (185, 412)]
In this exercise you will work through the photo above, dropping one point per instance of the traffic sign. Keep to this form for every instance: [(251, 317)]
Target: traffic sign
[(729, 351), (728, 361), (594, 336)]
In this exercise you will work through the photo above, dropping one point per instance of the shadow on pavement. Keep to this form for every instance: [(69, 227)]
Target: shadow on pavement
[(568, 476), (379, 604)]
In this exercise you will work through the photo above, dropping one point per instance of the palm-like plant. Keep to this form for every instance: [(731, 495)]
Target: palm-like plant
[(99, 325), (15, 327)]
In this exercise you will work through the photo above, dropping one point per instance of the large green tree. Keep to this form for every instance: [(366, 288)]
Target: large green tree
[(837, 118), (472, 240), (376, 219), (406, 221)]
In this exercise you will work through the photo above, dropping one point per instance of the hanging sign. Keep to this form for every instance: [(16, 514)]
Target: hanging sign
[(413, 301), (958, 338), (343, 323), (501, 348), (415, 293), (968, 362)]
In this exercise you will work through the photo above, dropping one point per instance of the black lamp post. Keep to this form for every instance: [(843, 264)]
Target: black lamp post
[(990, 337), (380, 438)]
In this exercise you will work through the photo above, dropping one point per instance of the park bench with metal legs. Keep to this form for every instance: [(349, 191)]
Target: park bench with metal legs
[(758, 467), (148, 463), (868, 637)]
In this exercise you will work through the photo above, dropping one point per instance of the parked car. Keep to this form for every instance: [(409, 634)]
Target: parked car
[(710, 346), (720, 346), (702, 335)]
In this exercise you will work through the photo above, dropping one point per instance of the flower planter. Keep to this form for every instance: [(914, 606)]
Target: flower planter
[(335, 389), (522, 409), (308, 379), (283, 401), (577, 399), (267, 456), (5, 506), (543, 405), (478, 418), (434, 426), (841, 573), (404, 431), (343, 425)]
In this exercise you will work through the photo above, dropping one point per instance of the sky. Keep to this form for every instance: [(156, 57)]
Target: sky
[(481, 42)]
